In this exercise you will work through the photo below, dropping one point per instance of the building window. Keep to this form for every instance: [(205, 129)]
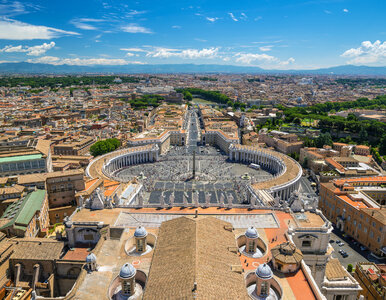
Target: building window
[(306, 243), (126, 287), (365, 229), (140, 245), (251, 246), (264, 288), (371, 234)]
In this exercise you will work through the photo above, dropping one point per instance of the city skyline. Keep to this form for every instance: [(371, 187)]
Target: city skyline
[(280, 35)]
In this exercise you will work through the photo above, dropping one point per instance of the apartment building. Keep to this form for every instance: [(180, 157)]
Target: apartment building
[(27, 217), (372, 278), (61, 188), (282, 141), (339, 162), (74, 146), (357, 206), (166, 128)]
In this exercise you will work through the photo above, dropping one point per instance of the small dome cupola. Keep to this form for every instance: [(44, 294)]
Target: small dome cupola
[(91, 262), (127, 271), (251, 237), (140, 232), (251, 233), (264, 272), (90, 258), (264, 278), (140, 236), (127, 277)]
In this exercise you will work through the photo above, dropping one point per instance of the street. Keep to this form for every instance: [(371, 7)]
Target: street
[(354, 253)]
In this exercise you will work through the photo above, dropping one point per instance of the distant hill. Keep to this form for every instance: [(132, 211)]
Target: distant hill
[(29, 68)]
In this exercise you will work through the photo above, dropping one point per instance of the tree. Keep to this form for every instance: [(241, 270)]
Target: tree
[(382, 144), (188, 96), (297, 121), (323, 139), (363, 135), (352, 117), (104, 146), (349, 268), (294, 155), (305, 162)]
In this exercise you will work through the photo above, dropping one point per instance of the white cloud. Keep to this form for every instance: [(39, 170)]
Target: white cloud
[(133, 49), (129, 54), (134, 12), (82, 23), (16, 30), (33, 50), (52, 60), (135, 28), (214, 19), (367, 53), (233, 17), (243, 16), (7, 61), (264, 59), (265, 48), (247, 58), (14, 8), (327, 12), (207, 53), (176, 27), (345, 10), (291, 60)]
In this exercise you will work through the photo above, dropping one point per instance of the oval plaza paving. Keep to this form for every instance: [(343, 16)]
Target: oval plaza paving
[(200, 168)]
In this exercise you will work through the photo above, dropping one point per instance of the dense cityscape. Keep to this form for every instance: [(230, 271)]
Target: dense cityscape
[(105, 179), (168, 150)]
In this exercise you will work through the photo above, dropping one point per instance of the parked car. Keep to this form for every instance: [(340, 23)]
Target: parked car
[(337, 241), (332, 241), (341, 244), (363, 248), (345, 255)]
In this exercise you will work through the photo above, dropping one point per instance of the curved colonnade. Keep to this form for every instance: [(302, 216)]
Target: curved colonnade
[(287, 172), (104, 166), (132, 156)]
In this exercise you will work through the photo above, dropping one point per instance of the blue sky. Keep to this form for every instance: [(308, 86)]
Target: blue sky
[(271, 34)]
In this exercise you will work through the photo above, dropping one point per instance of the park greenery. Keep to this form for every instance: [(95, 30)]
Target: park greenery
[(370, 132), (104, 146), (208, 78), (63, 81), (214, 96), (255, 80), (145, 101)]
